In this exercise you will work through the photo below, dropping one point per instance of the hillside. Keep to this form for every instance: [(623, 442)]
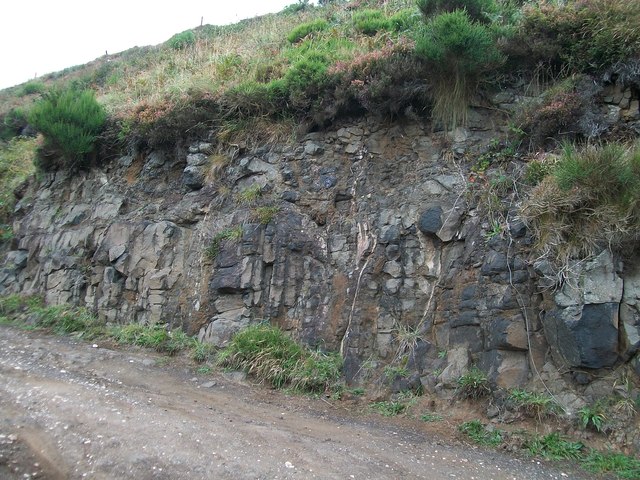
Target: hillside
[(444, 201)]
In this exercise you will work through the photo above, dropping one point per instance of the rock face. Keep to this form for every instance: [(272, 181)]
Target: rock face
[(353, 239)]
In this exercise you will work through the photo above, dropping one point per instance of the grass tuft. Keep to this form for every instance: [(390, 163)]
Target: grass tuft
[(272, 357)]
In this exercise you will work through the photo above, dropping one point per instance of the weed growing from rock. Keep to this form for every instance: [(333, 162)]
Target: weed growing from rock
[(592, 416), (228, 234), (532, 404), (474, 384)]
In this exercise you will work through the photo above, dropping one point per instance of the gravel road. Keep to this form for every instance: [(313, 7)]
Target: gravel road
[(73, 410)]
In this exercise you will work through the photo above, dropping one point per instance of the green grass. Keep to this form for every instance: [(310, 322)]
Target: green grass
[(266, 214), (623, 466), (250, 194), (156, 337), (388, 408), (533, 404), (305, 29), (431, 417), (271, 356), (554, 447), (16, 164), (481, 434)]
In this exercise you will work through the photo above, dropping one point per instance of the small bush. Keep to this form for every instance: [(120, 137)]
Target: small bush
[(303, 30), (182, 40), (584, 36), (370, 22), (480, 434), (70, 121), (13, 123), (458, 54), (296, 7), (473, 384), (476, 9), (587, 203), (405, 19), (32, 87)]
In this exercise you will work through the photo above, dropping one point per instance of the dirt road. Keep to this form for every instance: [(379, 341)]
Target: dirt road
[(74, 410)]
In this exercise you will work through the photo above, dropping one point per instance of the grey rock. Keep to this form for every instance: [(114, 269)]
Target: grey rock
[(586, 336), (430, 221), (194, 177), (197, 159)]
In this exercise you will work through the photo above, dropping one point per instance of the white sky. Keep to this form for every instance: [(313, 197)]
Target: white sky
[(43, 36)]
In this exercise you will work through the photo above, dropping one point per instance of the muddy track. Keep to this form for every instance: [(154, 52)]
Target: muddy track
[(73, 410)]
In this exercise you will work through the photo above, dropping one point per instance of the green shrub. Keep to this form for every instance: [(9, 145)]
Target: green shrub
[(590, 201), (31, 87), (584, 36), (405, 19), (458, 53), (296, 7), (201, 352), (302, 30), (555, 114), (271, 356), (66, 319), (13, 122), (182, 40), (476, 9), (473, 384), (370, 22), (70, 121)]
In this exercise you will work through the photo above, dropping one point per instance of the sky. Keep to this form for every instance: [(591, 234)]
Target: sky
[(39, 37)]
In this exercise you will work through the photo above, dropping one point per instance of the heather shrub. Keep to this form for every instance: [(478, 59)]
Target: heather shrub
[(70, 121), (584, 36)]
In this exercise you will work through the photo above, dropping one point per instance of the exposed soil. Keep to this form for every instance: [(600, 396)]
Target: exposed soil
[(70, 409)]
